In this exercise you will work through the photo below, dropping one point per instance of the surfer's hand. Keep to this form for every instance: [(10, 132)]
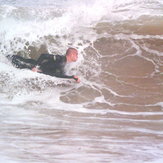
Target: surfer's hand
[(76, 78), (35, 69)]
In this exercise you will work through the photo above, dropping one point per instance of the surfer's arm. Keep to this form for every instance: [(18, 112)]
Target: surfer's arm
[(68, 77), (61, 74), (36, 69), (76, 78)]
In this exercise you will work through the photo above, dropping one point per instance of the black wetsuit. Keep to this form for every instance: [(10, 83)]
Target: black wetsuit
[(49, 64)]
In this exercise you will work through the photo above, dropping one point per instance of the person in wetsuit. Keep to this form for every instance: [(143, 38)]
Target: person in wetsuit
[(48, 64)]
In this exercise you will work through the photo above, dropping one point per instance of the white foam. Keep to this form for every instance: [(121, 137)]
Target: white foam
[(155, 161), (158, 104), (7, 160)]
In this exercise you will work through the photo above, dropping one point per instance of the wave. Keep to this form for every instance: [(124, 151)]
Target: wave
[(76, 19), (120, 33)]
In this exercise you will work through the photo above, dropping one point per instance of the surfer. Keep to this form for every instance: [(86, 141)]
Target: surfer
[(48, 64)]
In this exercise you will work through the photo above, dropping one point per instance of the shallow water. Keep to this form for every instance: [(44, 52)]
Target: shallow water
[(115, 114)]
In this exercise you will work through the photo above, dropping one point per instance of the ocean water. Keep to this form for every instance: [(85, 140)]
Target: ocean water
[(115, 114)]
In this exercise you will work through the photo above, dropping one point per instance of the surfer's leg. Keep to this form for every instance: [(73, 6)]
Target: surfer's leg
[(21, 62)]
